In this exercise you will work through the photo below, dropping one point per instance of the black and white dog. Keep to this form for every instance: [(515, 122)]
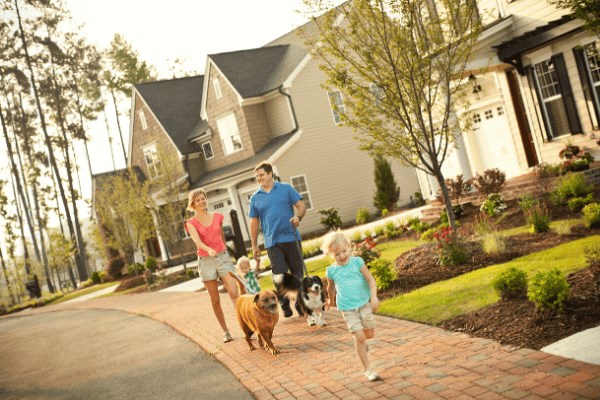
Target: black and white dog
[(308, 295)]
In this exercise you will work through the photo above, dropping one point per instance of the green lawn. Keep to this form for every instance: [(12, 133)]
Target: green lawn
[(469, 292), (83, 292)]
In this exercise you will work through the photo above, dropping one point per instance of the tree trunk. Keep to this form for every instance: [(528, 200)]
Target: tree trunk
[(9, 286), (80, 267), (112, 93), (446, 196)]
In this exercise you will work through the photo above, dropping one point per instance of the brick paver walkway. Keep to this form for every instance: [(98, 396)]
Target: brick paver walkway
[(415, 361)]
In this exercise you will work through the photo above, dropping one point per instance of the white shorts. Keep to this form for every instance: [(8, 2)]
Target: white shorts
[(211, 268), (359, 319)]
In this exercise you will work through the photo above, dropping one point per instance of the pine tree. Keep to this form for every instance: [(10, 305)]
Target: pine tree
[(387, 190)]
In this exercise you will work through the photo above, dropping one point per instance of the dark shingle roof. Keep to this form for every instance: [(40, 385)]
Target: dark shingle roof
[(245, 165), (176, 104), (255, 72)]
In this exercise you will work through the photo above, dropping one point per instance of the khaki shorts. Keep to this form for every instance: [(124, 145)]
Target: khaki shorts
[(359, 319), (211, 268)]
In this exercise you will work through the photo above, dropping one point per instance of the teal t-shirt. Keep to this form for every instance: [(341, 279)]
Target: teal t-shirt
[(350, 285)]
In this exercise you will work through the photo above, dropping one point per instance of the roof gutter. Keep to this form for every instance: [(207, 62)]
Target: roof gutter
[(280, 88)]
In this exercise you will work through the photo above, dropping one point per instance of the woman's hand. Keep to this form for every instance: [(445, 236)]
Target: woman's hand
[(212, 253)]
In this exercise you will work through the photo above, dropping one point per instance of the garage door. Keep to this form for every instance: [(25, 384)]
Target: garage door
[(493, 141)]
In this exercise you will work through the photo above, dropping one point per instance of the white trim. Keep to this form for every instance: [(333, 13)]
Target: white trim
[(287, 145), (217, 88), (142, 117), (307, 189), (209, 65), (211, 151), (231, 134), (539, 56), (288, 82)]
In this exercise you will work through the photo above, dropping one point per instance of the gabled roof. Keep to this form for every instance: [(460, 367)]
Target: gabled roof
[(176, 105), (246, 165), (256, 72)]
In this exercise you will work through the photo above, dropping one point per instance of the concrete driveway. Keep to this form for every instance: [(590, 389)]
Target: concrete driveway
[(106, 354)]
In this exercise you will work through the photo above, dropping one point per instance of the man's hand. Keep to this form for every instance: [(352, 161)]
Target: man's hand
[(256, 254), (295, 220)]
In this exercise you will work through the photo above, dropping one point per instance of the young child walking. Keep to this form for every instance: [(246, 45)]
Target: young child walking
[(248, 274), (353, 290)]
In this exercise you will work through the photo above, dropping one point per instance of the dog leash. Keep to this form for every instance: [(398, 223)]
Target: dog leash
[(304, 271)]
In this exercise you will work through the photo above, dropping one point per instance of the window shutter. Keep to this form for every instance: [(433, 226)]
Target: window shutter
[(586, 83), (567, 93)]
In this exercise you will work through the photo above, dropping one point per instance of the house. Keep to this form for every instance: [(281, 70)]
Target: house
[(252, 105), (536, 87)]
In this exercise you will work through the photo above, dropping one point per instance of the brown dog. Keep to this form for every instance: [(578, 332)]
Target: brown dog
[(258, 313)]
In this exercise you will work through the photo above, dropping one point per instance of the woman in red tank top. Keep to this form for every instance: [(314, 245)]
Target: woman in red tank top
[(206, 230)]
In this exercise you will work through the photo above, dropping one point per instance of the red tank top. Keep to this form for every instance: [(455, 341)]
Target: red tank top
[(210, 235)]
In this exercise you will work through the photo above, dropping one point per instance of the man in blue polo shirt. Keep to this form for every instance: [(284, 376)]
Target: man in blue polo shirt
[(279, 209)]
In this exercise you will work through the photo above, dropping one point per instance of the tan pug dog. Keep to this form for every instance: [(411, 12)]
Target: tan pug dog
[(258, 313)]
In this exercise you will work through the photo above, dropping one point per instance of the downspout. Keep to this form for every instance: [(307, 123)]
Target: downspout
[(280, 89), (185, 160)]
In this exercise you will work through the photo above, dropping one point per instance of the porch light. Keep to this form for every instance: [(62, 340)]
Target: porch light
[(473, 81)]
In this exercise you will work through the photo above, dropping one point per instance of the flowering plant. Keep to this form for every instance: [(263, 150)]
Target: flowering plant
[(365, 250), (493, 205), (451, 247)]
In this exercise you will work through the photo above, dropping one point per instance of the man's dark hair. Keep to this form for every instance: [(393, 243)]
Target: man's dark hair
[(264, 165)]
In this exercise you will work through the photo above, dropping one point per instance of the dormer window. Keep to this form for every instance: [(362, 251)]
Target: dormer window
[(152, 161), (217, 87), (230, 134)]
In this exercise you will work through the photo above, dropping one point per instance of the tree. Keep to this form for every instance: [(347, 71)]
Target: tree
[(123, 210), (586, 10), (387, 191), (400, 65)]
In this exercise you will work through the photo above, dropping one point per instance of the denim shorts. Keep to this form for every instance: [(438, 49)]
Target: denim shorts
[(359, 319), (211, 268)]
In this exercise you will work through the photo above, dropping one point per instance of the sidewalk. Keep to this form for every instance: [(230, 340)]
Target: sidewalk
[(415, 361)]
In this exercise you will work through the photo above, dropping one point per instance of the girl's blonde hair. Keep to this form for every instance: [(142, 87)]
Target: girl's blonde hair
[(334, 240), (192, 197), (240, 261)]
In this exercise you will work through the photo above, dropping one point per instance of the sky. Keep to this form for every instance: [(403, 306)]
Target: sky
[(163, 31)]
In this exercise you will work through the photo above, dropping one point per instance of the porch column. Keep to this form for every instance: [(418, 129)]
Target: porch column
[(161, 243)]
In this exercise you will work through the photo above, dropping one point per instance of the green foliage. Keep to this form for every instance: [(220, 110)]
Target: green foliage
[(383, 272), (549, 290), (362, 215), (96, 278), (114, 269), (428, 234), (365, 250), (417, 225), (356, 237), (458, 212), (492, 181), (570, 186), (418, 199), (131, 283), (191, 273), (331, 219), (135, 268), (151, 264), (538, 218), (592, 256), (544, 170), (577, 203), (387, 191), (451, 246), (493, 205), (562, 227), (575, 159), (311, 248), (384, 212), (511, 284), (591, 215), (379, 230), (526, 202)]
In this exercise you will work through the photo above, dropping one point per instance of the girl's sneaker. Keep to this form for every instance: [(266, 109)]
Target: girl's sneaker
[(227, 337), (372, 376)]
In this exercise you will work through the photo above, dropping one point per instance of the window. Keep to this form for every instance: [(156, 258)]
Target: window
[(299, 183), (217, 87), (489, 114), (152, 161), (500, 110), (230, 134), (337, 105), (588, 64), (207, 150), (555, 97), (377, 93), (143, 119), (477, 118)]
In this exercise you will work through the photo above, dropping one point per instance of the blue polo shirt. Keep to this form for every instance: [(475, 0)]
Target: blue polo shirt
[(274, 210)]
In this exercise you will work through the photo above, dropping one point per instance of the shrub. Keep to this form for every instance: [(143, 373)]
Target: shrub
[(365, 250), (362, 215), (483, 224), (576, 159), (379, 229), (511, 284), (544, 170), (458, 187), (417, 225), (131, 283), (577, 203), (96, 278), (563, 228), (311, 248), (592, 256), (458, 212), (526, 202), (492, 181), (331, 219), (493, 205), (539, 219), (428, 234), (367, 233), (549, 290), (390, 230), (591, 215), (383, 272), (452, 249), (356, 237), (387, 191), (493, 243), (570, 186), (191, 273), (151, 264), (418, 199), (114, 269), (149, 277), (384, 212), (135, 269)]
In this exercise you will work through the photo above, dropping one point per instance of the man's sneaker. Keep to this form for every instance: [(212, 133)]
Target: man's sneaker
[(227, 337), (372, 376)]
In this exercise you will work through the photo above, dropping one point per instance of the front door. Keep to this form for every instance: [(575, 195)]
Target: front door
[(522, 121)]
